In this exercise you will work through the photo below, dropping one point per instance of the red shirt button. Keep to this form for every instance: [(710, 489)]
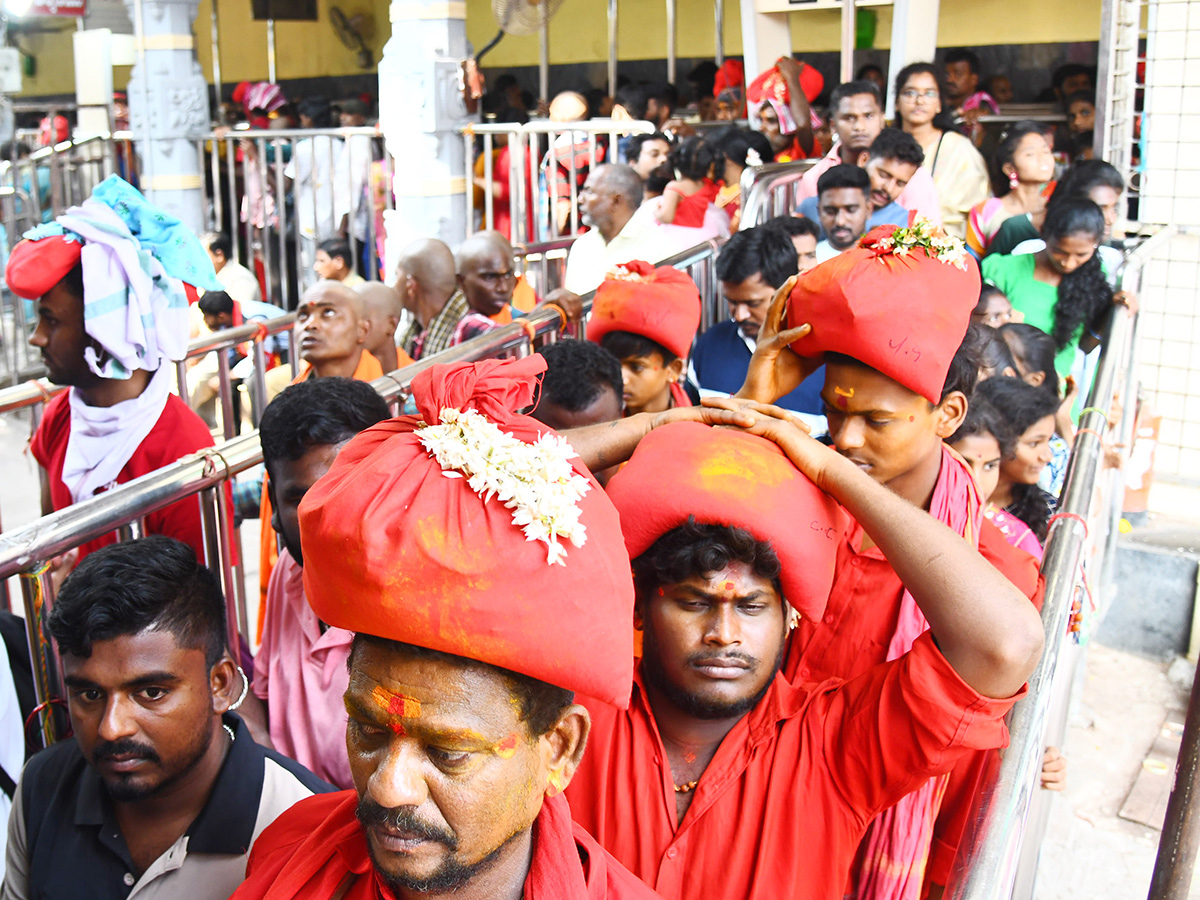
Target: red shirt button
[(828, 618), (672, 853)]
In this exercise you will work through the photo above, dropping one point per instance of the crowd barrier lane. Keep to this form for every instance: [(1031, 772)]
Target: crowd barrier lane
[(25, 551), (770, 190), (71, 169), (998, 858), (346, 172), (531, 181)]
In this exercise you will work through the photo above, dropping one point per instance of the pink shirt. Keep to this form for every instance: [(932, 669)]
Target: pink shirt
[(919, 195), (300, 673), (1016, 532)]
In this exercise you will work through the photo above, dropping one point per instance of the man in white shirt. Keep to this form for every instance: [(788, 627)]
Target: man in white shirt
[(843, 204), (238, 281), (311, 174), (621, 229)]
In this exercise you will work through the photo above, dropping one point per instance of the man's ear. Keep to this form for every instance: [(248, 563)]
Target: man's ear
[(1037, 379), (225, 683), (950, 413), (364, 328), (562, 747), (675, 369), (864, 156)]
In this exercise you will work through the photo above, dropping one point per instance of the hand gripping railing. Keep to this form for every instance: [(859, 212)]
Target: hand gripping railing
[(24, 551), (997, 859)]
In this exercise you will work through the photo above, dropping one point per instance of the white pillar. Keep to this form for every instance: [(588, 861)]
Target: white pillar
[(765, 38), (420, 112), (168, 107), (914, 39)]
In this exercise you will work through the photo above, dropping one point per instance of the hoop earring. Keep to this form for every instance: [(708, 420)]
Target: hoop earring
[(245, 690)]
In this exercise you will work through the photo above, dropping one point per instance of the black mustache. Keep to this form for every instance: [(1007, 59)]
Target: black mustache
[(123, 747), (402, 818), (701, 659)]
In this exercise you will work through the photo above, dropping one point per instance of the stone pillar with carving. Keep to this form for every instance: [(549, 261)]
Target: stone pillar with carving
[(168, 107), (420, 113)]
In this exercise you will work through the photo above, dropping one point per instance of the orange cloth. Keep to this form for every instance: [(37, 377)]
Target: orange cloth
[(724, 477), (368, 369), (523, 297), (310, 850), (904, 315), (660, 304), (444, 568)]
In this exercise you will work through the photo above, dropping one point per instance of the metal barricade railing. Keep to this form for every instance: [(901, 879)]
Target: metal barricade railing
[(24, 551), (279, 220), (64, 174), (770, 190), (536, 170), (998, 859)]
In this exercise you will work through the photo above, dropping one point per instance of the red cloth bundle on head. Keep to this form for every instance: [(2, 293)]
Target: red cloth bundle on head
[(36, 266), (771, 86), (732, 74), (727, 477), (661, 304), (900, 302), (399, 546)]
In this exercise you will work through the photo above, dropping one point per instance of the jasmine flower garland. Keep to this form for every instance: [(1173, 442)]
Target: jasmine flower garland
[(535, 480), (929, 237)]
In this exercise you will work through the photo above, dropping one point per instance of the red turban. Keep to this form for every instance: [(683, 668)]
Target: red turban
[(771, 86), (661, 304), (732, 74), (891, 305), (397, 546), (726, 477), (36, 266)]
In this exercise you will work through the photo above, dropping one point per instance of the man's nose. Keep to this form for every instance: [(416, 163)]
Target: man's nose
[(741, 312), (38, 338), (397, 781), (117, 721), (722, 627), (847, 434)]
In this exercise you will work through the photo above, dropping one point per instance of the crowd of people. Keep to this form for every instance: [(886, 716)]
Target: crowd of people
[(666, 612)]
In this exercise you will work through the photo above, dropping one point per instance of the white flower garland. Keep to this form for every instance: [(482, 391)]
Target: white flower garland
[(535, 480), (929, 237)]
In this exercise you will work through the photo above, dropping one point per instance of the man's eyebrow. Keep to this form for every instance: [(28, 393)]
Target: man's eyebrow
[(708, 595), (141, 681)]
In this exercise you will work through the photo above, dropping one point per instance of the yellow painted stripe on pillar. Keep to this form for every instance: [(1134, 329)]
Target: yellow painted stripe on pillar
[(174, 182), (167, 42), (431, 187)]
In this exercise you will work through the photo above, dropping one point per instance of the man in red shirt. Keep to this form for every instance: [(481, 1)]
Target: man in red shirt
[(895, 388), (112, 279), (463, 731), (725, 780)]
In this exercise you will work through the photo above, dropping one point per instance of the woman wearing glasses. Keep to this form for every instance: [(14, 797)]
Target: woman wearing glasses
[(958, 170)]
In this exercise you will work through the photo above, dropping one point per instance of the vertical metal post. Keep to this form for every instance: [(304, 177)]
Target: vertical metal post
[(231, 168), (260, 146), (214, 164), (612, 48), (225, 389), (282, 224), (216, 556), (181, 371), (719, 32), (216, 53), (271, 50), (469, 169), (544, 56), (258, 386), (848, 35), (1177, 848), (38, 594), (672, 41), (489, 217)]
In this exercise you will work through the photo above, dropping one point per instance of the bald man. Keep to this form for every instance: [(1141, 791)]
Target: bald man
[(556, 166), (621, 228), (383, 306), (425, 277), (331, 333), (488, 280)]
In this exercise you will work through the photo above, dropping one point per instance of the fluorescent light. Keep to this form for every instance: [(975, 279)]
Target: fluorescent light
[(18, 7)]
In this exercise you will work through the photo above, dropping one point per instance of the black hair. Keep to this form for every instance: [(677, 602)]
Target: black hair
[(634, 148), (864, 71), (983, 418), (1005, 151), (539, 704), (220, 242), (1084, 295), (1070, 70), (626, 344), (995, 354), (335, 247), (693, 158), (1022, 406), (758, 251), (901, 146), (986, 292), (944, 120), (1088, 97), (794, 226), (576, 374), (1034, 351), (960, 54), (843, 176), (735, 143), (703, 76), (664, 93), (659, 178), (127, 588), (1081, 143), (634, 98), (316, 412), (215, 303), (853, 89), (73, 281), (317, 109), (694, 549), (1082, 177)]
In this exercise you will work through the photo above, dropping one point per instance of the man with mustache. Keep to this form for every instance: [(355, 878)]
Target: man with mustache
[(725, 780), (162, 792), (843, 205), (463, 728)]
